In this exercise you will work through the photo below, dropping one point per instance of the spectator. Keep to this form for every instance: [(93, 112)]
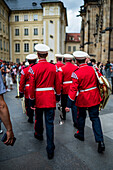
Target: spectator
[(93, 62), (4, 114), (107, 69), (9, 78)]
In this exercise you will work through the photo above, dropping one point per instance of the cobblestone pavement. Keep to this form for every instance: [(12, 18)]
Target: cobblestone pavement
[(70, 153)]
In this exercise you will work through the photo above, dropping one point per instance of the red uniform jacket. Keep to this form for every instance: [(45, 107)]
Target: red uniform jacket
[(24, 81), (85, 81), (65, 76), (44, 80), (59, 64)]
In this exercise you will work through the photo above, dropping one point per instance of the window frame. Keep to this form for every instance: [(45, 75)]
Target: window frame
[(35, 32), (26, 47), (35, 17), (17, 32), (26, 31), (68, 48), (16, 18), (25, 17), (17, 47)]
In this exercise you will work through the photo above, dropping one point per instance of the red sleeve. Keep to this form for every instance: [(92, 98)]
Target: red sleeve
[(57, 83), (73, 87), (22, 82), (61, 76), (32, 84)]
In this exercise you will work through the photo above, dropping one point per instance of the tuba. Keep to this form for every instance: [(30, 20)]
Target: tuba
[(104, 88), (105, 91)]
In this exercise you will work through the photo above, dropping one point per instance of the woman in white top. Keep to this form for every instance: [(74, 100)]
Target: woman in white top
[(8, 78)]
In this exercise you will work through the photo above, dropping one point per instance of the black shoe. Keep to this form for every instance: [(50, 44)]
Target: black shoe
[(101, 147), (30, 120), (50, 155), (78, 137), (40, 138)]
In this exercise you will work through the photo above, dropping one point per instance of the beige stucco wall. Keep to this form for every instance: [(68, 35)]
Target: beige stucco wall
[(4, 34)]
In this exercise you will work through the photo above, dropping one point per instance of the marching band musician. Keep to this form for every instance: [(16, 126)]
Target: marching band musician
[(85, 80), (59, 58), (44, 82), (66, 81), (24, 85)]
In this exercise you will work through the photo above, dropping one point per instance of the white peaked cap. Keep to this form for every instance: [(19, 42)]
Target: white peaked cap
[(79, 55), (26, 63), (31, 57), (59, 55), (68, 56), (42, 48)]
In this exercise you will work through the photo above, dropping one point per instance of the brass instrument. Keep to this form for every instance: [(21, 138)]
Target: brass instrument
[(104, 88), (105, 91)]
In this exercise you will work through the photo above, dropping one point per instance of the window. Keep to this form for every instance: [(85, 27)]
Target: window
[(1, 44), (26, 31), (26, 47), (7, 46), (17, 47), (17, 60), (35, 17), (16, 18), (35, 31), (51, 50), (51, 36), (3, 12), (51, 21), (69, 48), (34, 47), (25, 17), (71, 38), (4, 46), (74, 48), (4, 28), (0, 26), (42, 31), (16, 32)]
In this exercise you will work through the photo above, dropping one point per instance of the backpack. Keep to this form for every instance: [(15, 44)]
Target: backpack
[(104, 88)]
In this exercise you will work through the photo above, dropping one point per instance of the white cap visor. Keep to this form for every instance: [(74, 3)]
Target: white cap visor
[(68, 56), (31, 57), (42, 48), (80, 55)]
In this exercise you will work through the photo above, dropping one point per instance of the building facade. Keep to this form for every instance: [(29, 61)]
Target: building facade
[(97, 29), (4, 31), (72, 42), (32, 22)]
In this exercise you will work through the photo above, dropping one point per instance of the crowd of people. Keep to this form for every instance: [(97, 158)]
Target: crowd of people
[(70, 81)]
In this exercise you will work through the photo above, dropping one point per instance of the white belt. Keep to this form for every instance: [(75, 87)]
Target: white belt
[(44, 89), (67, 82), (26, 85), (88, 89)]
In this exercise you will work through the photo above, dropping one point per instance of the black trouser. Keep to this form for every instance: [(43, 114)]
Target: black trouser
[(49, 121), (64, 98), (29, 111), (94, 117)]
